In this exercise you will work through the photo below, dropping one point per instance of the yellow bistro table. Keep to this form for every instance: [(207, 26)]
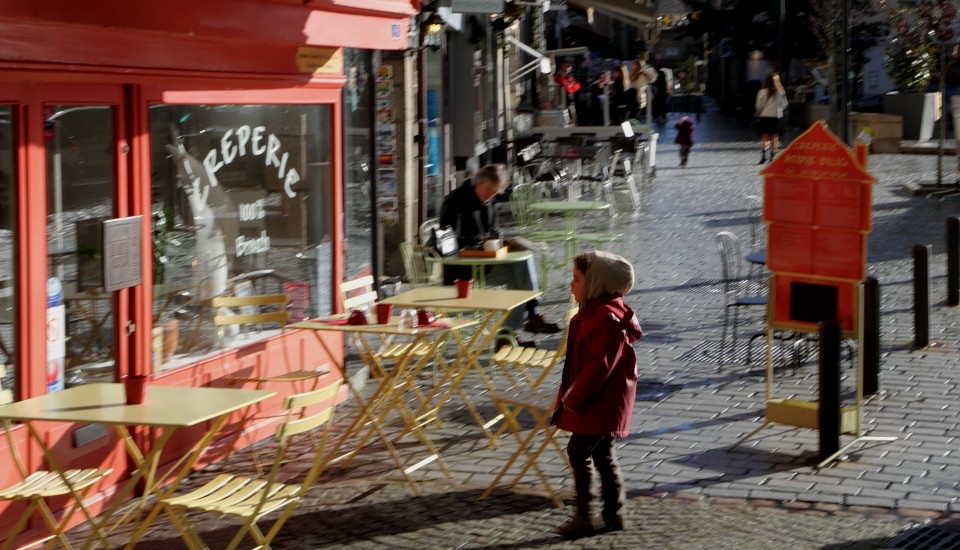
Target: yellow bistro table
[(166, 407), (493, 306), (570, 209), (478, 264), (394, 382)]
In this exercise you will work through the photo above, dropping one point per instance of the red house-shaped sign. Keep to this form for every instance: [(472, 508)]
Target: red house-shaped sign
[(817, 205)]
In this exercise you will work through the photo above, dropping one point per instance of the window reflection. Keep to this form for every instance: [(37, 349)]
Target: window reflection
[(8, 349), (79, 144), (358, 166), (241, 202)]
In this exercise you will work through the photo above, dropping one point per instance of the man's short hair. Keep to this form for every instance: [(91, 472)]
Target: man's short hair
[(496, 173)]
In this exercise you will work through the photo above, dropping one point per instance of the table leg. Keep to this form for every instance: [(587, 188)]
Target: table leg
[(147, 468), (365, 416), (391, 399), (467, 357)]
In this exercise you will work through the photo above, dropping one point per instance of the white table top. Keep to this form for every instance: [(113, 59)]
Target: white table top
[(508, 258), (164, 406), (482, 299)]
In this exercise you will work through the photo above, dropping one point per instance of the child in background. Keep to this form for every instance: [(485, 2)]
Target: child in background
[(598, 387), (684, 138)]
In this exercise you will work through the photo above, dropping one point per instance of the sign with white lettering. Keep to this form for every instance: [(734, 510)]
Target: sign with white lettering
[(121, 253), (476, 6)]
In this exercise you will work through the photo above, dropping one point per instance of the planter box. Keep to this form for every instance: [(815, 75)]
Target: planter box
[(885, 130), (920, 111)]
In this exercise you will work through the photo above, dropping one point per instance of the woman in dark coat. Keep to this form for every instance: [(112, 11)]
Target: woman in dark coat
[(598, 386)]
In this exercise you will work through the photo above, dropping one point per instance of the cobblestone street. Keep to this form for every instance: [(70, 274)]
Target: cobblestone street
[(686, 489)]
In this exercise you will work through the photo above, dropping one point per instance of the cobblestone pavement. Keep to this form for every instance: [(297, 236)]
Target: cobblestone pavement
[(686, 490)]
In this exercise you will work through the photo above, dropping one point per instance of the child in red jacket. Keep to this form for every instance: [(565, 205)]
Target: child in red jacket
[(684, 138), (598, 386)]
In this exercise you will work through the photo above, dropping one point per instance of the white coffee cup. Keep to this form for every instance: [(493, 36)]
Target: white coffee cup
[(492, 245)]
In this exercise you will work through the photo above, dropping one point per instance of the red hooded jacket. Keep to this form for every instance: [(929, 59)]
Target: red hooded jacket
[(599, 383)]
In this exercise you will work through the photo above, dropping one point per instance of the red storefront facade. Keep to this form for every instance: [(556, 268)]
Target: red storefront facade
[(219, 123)]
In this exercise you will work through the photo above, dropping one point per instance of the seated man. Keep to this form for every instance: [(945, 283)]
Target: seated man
[(470, 211)]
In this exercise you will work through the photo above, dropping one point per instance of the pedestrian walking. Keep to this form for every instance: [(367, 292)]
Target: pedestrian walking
[(684, 138), (598, 387), (770, 105)]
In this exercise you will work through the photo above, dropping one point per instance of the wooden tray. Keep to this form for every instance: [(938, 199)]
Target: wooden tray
[(501, 252)]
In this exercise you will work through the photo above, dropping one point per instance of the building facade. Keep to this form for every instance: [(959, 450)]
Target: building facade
[(213, 135)]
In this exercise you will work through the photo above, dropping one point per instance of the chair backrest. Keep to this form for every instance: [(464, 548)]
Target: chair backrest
[(730, 261), (426, 229), (523, 195), (306, 412), (754, 205), (561, 345), (358, 293), (422, 265), (250, 312)]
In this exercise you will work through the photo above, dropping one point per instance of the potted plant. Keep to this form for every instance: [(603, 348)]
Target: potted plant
[(916, 55)]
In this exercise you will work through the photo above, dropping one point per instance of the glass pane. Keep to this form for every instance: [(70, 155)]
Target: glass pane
[(8, 342), (357, 162), (80, 182), (433, 66), (241, 203)]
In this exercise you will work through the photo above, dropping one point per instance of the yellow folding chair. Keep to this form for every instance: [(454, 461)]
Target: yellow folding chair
[(251, 499), (527, 361), (539, 403), (359, 294), (34, 488), (252, 312)]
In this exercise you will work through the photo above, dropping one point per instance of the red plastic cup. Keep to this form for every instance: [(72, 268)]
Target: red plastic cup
[(136, 388), (463, 287), (384, 311)]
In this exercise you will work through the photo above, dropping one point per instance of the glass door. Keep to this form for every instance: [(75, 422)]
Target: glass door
[(80, 140)]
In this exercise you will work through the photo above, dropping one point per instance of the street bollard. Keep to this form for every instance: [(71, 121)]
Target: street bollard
[(871, 336), (953, 261), (829, 410), (921, 296)]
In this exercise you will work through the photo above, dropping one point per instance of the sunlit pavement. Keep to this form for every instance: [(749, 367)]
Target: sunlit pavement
[(686, 490)]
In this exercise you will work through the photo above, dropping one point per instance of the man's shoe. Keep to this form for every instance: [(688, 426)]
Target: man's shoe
[(536, 324), (576, 527)]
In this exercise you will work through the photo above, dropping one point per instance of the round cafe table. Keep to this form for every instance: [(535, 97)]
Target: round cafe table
[(478, 264), (569, 209)]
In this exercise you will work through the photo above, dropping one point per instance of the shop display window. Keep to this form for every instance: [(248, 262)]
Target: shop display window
[(8, 344), (79, 143), (241, 205)]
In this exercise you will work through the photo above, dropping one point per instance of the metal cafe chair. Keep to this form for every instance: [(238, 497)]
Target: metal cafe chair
[(422, 265), (251, 499), (359, 294), (734, 291), (36, 487), (533, 364), (253, 313), (538, 403)]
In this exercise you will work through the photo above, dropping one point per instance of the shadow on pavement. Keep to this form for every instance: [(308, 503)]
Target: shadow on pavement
[(323, 525)]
